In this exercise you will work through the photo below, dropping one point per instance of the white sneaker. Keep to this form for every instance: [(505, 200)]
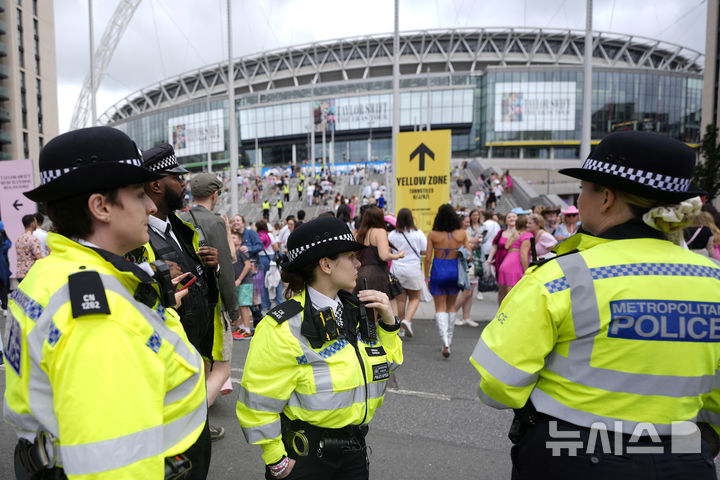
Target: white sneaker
[(471, 323), (479, 296), (459, 322), (408, 327)]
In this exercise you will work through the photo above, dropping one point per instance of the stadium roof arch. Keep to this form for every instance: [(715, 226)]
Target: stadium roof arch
[(369, 57)]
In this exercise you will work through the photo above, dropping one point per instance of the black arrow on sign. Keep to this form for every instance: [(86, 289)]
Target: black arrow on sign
[(422, 150), (17, 204)]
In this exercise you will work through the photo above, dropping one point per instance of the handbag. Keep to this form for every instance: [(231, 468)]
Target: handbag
[(487, 282), (396, 287), (425, 294)]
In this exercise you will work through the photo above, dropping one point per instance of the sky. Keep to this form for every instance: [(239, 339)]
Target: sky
[(165, 38)]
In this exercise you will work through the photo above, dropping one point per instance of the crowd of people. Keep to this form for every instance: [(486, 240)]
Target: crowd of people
[(136, 252)]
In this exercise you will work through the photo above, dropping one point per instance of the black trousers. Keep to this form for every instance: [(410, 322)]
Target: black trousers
[(533, 459), (346, 466), (199, 455)]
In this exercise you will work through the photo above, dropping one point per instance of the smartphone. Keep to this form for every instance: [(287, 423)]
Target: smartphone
[(185, 283)]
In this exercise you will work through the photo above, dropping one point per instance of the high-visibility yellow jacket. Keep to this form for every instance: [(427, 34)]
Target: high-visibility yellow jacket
[(266, 205), (622, 332), (114, 380), (286, 188), (322, 386)]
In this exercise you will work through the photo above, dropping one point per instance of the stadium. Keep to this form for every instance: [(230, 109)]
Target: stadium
[(504, 93)]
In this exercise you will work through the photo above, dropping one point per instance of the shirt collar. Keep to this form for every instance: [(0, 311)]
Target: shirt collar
[(159, 225), (320, 300)]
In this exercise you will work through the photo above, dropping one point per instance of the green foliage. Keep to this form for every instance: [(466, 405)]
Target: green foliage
[(707, 170)]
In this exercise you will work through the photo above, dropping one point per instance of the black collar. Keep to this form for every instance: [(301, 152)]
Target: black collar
[(124, 265), (631, 229)]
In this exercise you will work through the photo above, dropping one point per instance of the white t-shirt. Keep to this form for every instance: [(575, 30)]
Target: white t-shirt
[(41, 235), (269, 250), (410, 263), (283, 236)]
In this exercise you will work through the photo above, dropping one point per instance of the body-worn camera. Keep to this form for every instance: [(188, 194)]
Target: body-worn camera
[(164, 281)]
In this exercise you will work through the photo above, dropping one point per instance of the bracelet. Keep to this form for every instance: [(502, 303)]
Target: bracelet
[(279, 468)]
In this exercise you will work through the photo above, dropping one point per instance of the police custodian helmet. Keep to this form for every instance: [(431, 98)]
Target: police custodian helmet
[(88, 160)]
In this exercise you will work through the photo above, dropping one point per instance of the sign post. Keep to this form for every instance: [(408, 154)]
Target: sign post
[(422, 178), (16, 177)]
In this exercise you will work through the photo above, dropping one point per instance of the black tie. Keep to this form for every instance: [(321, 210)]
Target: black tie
[(171, 241)]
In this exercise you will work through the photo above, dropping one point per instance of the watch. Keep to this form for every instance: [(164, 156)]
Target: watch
[(390, 328)]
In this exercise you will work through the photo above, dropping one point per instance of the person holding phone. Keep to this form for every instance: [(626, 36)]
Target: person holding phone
[(100, 374), (318, 364)]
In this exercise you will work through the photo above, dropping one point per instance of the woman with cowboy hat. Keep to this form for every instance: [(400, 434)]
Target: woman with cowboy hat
[(609, 351), (318, 363), (101, 378), (569, 224)]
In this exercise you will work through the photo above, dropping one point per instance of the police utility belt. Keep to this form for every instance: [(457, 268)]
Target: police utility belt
[(302, 439), (38, 459)]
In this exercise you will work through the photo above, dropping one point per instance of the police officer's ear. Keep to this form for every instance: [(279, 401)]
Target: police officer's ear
[(154, 188), (609, 199), (325, 265), (99, 206)]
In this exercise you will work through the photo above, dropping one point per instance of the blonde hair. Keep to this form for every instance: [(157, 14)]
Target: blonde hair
[(520, 225), (707, 220)]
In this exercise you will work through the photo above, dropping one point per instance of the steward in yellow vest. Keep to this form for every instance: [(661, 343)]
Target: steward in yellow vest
[(318, 364), (266, 209), (609, 352), (101, 381)]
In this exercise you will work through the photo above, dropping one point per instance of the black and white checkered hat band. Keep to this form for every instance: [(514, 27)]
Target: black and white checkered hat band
[(295, 252), (651, 179), (163, 164), (47, 176)]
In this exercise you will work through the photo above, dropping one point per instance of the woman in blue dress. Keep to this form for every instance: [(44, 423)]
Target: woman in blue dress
[(443, 241)]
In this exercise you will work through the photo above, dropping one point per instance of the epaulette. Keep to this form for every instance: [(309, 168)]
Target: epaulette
[(87, 294), (285, 311)]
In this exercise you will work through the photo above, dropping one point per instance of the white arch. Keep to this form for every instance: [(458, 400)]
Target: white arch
[(103, 54)]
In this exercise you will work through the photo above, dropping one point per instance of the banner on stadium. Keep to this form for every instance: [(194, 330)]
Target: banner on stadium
[(422, 178), (16, 177), (193, 134), (534, 106)]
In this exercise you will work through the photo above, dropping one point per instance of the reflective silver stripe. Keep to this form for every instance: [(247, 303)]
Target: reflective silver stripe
[(260, 402), (393, 365), (97, 457), (489, 401), (321, 369), (709, 417), (262, 432), (182, 427), (716, 383), (546, 404), (499, 368), (376, 389), (192, 357), (25, 425), (336, 400), (586, 321)]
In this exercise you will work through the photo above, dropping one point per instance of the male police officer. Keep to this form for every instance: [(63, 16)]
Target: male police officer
[(101, 381), (620, 333)]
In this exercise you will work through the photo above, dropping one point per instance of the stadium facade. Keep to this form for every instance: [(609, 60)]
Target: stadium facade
[(504, 92)]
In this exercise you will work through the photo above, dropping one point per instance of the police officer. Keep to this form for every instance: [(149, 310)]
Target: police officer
[(286, 191), (266, 209), (279, 205), (101, 381), (318, 364), (609, 351)]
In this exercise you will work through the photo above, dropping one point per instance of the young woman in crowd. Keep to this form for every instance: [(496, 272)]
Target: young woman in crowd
[(270, 248), (374, 259), (473, 228), (441, 270), (569, 224), (517, 259), (244, 285), (408, 269), (500, 246), (544, 241)]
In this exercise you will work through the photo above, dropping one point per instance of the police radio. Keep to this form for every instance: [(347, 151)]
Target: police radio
[(367, 324), (161, 274)]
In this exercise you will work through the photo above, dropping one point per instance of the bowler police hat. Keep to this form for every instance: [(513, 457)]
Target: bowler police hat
[(88, 160), (645, 164), (161, 158), (322, 237)]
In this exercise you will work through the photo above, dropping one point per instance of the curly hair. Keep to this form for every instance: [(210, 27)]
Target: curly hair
[(447, 219)]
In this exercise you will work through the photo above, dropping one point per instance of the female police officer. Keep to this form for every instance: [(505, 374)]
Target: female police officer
[(612, 347), (101, 381), (318, 365)]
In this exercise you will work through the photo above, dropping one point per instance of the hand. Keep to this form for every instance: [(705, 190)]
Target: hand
[(400, 254), (209, 256), (179, 295), (380, 302), (174, 268), (243, 249), (289, 468), (228, 226)]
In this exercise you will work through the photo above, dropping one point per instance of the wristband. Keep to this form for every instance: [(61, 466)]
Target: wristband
[(279, 468)]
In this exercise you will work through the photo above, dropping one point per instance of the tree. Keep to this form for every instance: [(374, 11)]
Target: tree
[(707, 172)]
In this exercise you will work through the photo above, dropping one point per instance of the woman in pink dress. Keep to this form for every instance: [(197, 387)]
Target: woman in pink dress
[(544, 241), (517, 259), (500, 245)]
